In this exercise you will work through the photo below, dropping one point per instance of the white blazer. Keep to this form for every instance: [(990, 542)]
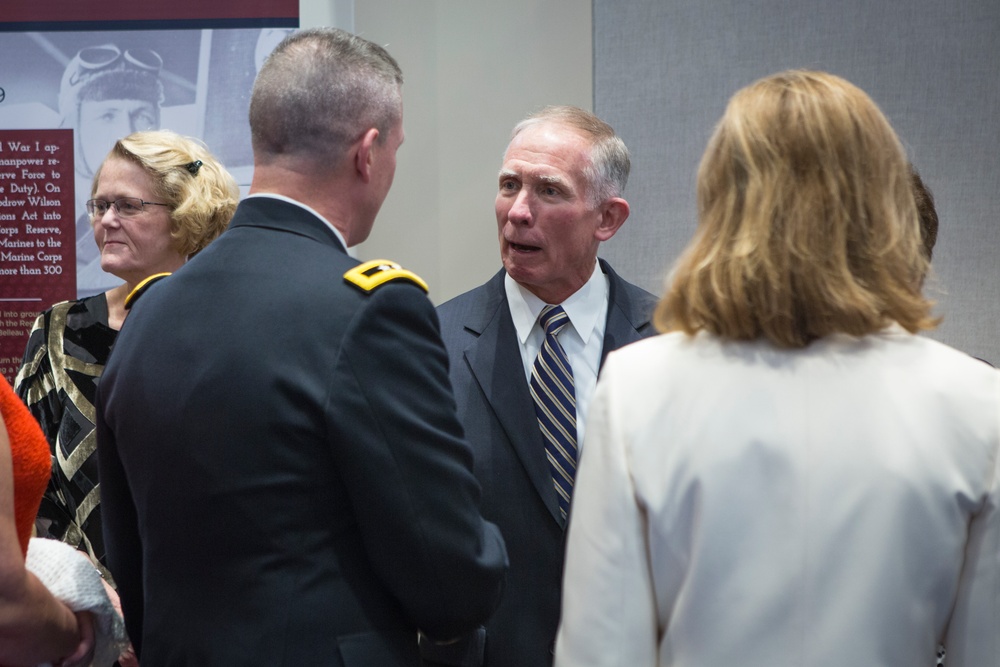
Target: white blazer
[(739, 505)]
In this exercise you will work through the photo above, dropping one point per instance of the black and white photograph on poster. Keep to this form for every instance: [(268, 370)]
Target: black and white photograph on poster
[(105, 86), (236, 57)]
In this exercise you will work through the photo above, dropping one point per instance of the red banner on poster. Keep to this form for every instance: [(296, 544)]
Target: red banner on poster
[(32, 11), (37, 233)]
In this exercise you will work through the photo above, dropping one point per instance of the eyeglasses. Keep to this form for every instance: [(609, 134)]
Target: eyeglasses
[(94, 59), (126, 206)]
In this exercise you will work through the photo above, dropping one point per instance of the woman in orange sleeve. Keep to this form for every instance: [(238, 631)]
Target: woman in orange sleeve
[(35, 627)]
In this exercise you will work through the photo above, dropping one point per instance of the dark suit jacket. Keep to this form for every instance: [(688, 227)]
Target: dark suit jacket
[(518, 495), (283, 474)]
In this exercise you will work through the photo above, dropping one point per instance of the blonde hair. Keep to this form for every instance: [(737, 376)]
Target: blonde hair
[(807, 224), (201, 194)]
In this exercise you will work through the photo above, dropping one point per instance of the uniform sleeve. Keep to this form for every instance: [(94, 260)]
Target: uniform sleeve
[(408, 468), (121, 527), (608, 612), (973, 638)]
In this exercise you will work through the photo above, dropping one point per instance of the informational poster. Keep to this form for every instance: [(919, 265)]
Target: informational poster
[(74, 78), (37, 231)]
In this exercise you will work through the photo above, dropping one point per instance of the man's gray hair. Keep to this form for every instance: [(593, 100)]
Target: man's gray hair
[(319, 91), (607, 173)]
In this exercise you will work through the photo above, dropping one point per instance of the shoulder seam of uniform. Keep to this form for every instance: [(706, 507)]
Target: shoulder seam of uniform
[(141, 288)]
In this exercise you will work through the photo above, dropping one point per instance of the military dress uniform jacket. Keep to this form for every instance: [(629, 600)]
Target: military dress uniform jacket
[(283, 472), (497, 412)]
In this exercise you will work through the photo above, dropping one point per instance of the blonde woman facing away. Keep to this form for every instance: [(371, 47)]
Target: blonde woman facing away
[(789, 474)]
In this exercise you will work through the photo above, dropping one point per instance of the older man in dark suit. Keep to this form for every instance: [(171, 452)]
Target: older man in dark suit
[(283, 472), (525, 349)]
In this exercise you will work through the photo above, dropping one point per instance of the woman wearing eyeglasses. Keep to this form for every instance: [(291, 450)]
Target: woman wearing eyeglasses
[(157, 199)]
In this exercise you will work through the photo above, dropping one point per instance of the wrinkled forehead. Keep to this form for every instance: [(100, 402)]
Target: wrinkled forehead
[(548, 151), (552, 138)]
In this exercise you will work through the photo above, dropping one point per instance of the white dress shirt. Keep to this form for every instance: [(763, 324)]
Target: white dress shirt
[(582, 339), (740, 504)]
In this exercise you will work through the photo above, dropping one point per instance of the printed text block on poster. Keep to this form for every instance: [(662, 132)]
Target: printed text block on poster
[(37, 233)]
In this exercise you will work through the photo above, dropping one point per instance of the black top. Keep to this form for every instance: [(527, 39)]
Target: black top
[(66, 353)]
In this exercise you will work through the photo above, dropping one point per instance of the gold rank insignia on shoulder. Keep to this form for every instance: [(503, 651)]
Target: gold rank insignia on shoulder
[(368, 276), (141, 288)]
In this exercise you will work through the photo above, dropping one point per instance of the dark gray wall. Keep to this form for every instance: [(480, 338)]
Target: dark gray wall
[(664, 70)]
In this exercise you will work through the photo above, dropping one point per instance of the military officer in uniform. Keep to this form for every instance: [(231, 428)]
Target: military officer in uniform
[(285, 478)]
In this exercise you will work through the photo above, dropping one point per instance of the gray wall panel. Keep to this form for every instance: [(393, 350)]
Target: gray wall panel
[(664, 70)]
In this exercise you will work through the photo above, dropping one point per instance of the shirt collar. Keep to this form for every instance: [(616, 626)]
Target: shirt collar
[(272, 195), (584, 307)]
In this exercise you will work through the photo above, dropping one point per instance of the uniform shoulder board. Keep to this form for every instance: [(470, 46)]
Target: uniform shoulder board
[(141, 288), (368, 276)]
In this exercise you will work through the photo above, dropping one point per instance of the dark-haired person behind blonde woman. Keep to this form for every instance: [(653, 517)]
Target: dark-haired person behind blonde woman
[(34, 626), (157, 199), (789, 474)]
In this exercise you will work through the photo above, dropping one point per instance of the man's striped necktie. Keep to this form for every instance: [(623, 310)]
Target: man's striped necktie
[(555, 404)]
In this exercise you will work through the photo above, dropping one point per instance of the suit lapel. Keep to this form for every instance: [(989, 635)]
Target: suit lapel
[(495, 362), (628, 320)]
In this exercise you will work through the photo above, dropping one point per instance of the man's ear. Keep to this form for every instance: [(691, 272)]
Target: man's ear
[(364, 157), (613, 212)]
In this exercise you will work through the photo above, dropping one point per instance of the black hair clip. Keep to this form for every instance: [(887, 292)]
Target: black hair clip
[(193, 167)]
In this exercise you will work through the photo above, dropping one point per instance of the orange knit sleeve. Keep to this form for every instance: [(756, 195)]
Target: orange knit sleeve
[(32, 461)]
